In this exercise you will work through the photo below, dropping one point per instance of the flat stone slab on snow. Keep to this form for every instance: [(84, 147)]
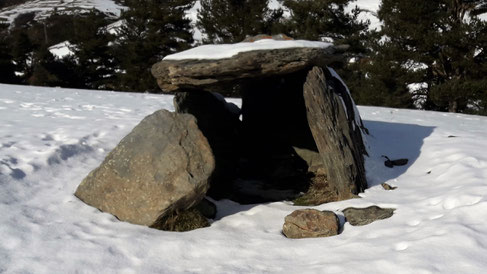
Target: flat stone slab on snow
[(365, 216), (161, 166), (310, 223), (245, 61)]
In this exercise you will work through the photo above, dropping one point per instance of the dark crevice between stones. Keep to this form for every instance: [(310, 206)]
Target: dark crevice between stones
[(273, 122), (267, 155), (266, 151)]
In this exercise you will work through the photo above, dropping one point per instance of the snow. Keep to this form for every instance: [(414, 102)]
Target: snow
[(61, 50), (115, 27), (44, 8), (228, 50), (192, 14), (51, 138), (369, 10)]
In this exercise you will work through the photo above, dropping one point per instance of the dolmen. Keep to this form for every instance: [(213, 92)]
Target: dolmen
[(298, 136)]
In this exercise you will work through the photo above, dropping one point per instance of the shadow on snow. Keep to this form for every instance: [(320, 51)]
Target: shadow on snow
[(394, 140)]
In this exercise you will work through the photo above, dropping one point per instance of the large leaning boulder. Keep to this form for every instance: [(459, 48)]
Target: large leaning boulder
[(161, 167)]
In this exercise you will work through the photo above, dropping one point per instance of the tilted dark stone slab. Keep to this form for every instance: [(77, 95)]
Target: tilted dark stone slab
[(333, 132)]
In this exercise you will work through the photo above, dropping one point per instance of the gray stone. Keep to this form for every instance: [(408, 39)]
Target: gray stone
[(365, 216), (312, 159), (336, 134), (162, 166), (309, 223), (224, 74), (219, 122)]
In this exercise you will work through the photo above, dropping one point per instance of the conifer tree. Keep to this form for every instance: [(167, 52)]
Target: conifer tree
[(329, 20), (22, 49), (6, 59), (324, 19), (152, 29), (230, 21), (43, 63), (48, 70), (377, 79), (444, 42), (91, 46)]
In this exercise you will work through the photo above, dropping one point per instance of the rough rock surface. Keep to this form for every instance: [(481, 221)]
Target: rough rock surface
[(334, 133), (319, 192), (223, 74), (365, 216), (308, 223), (219, 122), (312, 159), (162, 166)]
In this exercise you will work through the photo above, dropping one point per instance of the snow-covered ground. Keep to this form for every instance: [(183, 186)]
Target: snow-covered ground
[(51, 138)]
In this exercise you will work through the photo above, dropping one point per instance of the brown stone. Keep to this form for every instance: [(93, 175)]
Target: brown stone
[(223, 74), (219, 122), (162, 166), (309, 223)]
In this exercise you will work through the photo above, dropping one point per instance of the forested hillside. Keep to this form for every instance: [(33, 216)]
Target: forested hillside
[(425, 54)]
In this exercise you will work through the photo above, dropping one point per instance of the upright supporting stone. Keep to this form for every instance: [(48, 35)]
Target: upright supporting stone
[(219, 122), (335, 136)]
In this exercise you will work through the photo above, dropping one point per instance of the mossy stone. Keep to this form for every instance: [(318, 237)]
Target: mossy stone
[(182, 221)]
